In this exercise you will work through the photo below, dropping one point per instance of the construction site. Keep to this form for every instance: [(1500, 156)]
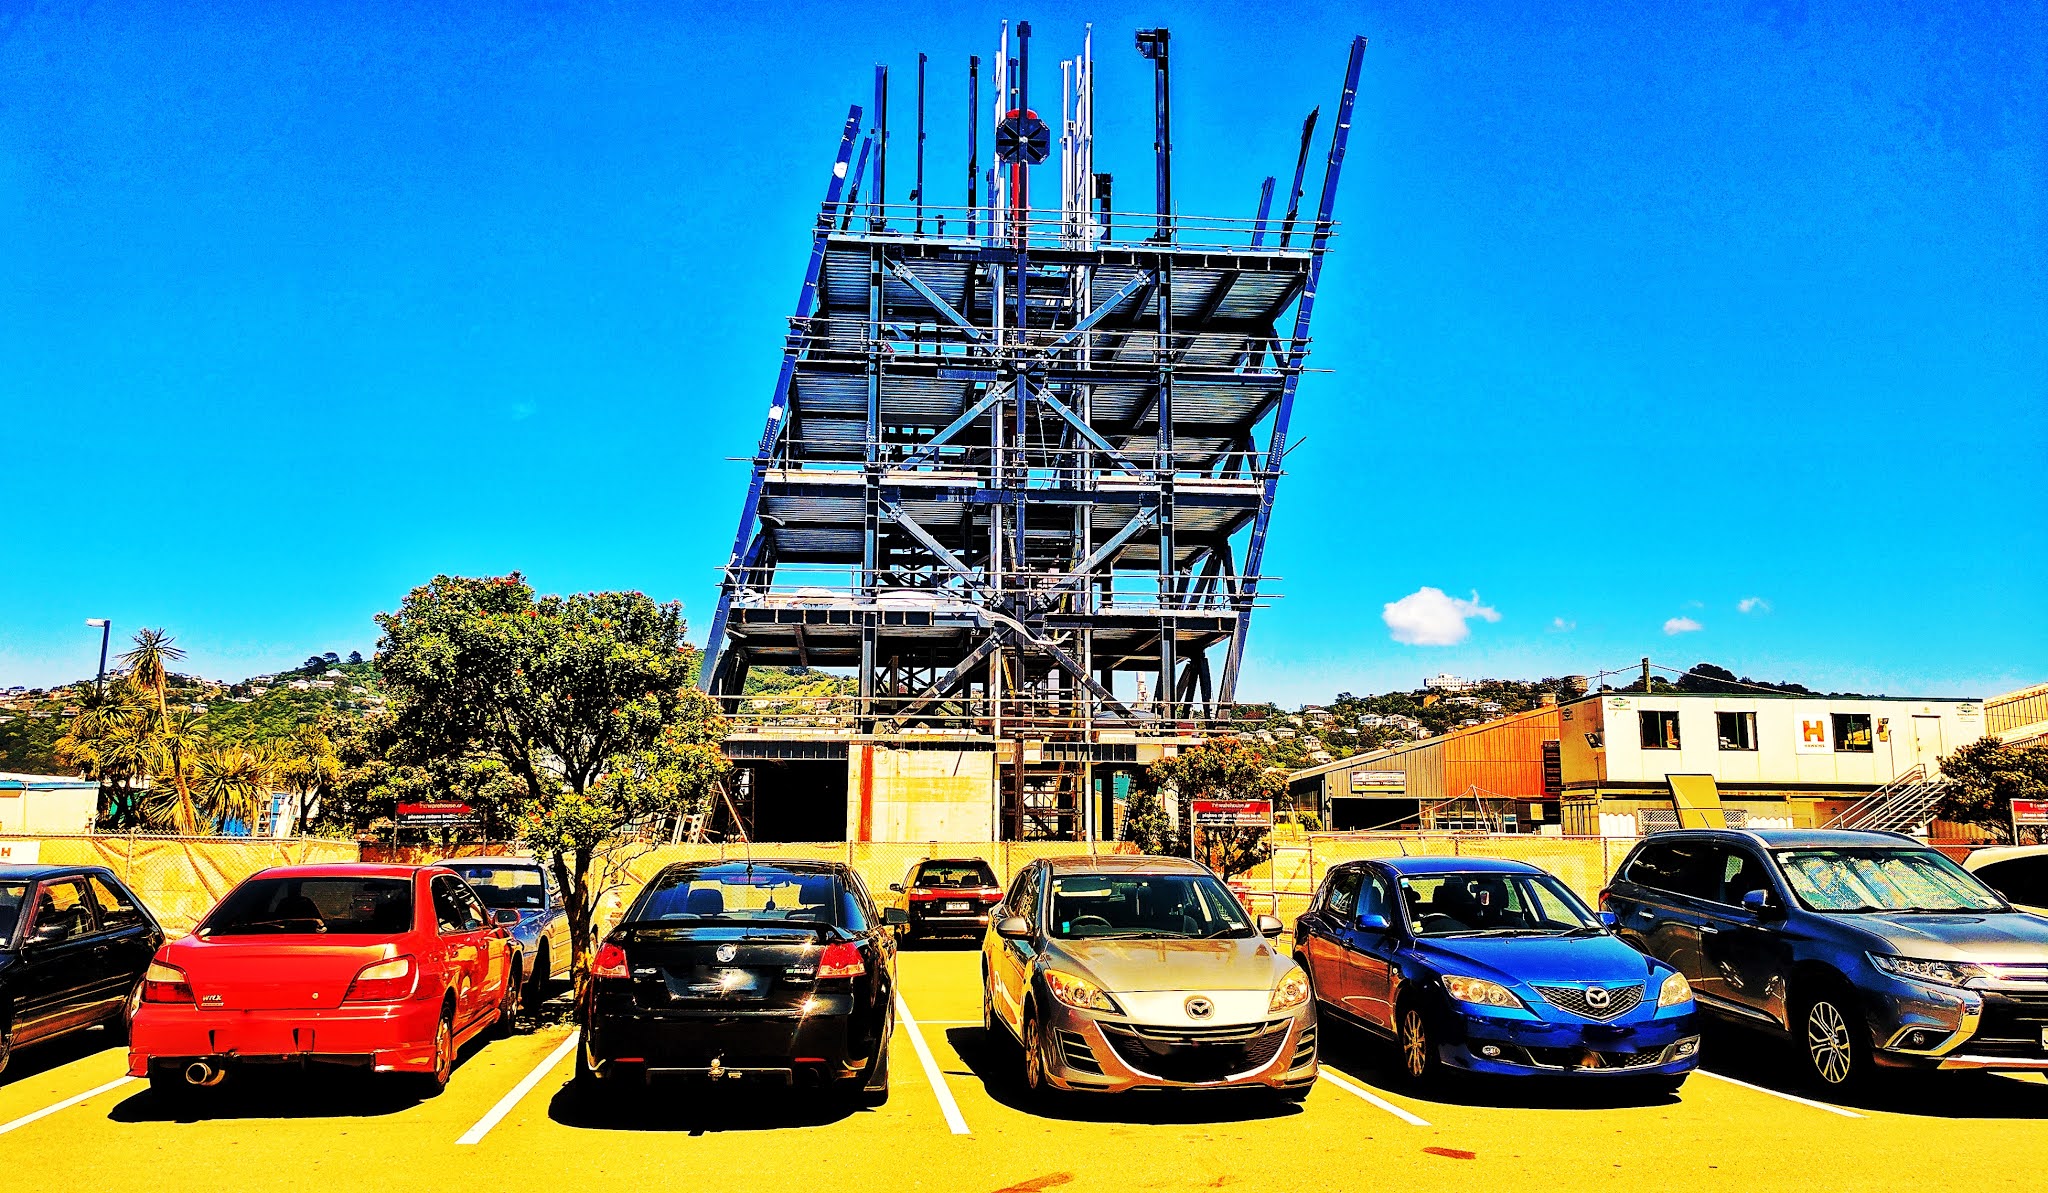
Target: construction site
[(1019, 464)]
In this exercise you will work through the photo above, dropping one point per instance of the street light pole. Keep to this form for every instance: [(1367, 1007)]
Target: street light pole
[(106, 629)]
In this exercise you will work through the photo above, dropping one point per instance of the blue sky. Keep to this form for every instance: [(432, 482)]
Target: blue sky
[(1638, 312)]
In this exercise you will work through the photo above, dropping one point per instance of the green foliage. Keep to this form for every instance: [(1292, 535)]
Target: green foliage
[(1224, 769), (570, 715), (1986, 776)]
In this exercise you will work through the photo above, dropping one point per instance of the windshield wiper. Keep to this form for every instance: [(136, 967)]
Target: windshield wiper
[(1147, 934)]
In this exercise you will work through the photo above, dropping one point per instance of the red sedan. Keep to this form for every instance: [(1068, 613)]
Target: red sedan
[(387, 968)]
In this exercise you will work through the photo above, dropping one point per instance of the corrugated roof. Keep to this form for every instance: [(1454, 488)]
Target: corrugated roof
[(12, 781)]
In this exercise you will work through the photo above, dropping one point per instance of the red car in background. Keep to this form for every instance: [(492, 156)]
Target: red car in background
[(386, 968), (945, 896)]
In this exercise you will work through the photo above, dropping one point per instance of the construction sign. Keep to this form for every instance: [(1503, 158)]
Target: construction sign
[(434, 814), (1233, 813)]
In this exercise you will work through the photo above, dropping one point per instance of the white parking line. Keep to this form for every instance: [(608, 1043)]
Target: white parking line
[(505, 1104), (1778, 1094), (1361, 1092), (66, 1104), (931, 1069)]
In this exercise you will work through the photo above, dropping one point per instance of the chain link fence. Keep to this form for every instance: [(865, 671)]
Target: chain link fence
[(181, 878)]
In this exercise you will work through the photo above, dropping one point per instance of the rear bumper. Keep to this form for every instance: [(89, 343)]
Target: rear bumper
[(936, 923), (393, 1037), (777, 1047)]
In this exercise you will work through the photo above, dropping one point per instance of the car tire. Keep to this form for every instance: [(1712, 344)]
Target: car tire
[(998, 1032), (1415, 1047), (6, 1040), (536, 990), (432, 1082), (1038, 1091), (507, 1020), (1833, 1041)]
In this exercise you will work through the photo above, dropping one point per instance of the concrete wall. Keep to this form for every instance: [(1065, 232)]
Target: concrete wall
[(922, 794)]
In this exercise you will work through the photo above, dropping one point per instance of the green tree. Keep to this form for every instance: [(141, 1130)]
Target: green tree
[(571, 712), (1228, 769), (149, 672), (1984, 778)]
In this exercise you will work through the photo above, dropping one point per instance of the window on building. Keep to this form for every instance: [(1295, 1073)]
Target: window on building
[(1660, 730), (1737, 730), (1852, 733)]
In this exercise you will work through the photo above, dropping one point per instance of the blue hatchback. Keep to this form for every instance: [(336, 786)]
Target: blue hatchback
[(1492, 966)]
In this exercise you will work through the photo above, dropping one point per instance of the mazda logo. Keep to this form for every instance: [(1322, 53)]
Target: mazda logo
[(1200, 1008), (1597, 997), (727, 952)]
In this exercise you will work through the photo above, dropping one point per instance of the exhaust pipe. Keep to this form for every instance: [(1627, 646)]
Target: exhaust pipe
[(202, 1074)]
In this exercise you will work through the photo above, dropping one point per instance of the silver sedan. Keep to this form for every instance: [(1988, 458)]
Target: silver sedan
[(1117, 973)]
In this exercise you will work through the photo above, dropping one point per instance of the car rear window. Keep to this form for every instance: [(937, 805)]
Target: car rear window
[(515, 888), (314, 906), (750, 894), (955, 874)]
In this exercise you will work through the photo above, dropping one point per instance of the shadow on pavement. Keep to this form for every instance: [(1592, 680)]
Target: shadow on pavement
[(995, 1063), (1764, 1061), (33, 1059), (698, 1109), (1361, 1055), (942, 944)]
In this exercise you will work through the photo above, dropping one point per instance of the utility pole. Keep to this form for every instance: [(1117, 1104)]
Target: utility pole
[(106, 629), (1646, 675)]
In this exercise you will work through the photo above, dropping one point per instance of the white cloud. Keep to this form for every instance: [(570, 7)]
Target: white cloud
[(1753, 605), (1429, 617), (1682, 625), (1559, 625)]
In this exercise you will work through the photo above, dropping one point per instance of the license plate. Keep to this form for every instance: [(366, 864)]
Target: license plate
[(959, 907)]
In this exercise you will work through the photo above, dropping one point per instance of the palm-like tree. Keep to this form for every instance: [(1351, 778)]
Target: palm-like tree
[(149, 672), (308, 768), (233, 782), (111, 740)]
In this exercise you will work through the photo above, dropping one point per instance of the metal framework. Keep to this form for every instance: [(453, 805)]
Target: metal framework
[(1016, 455)]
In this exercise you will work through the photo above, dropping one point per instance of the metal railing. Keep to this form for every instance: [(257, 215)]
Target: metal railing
[(994, 227)]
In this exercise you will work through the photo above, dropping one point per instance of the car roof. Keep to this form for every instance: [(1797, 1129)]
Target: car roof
[(1456, 865), (493, 859), (1793, 838), (1124, 863), (342, 870), (954, 861), (31, 872), (2000, 853), (795, 865)]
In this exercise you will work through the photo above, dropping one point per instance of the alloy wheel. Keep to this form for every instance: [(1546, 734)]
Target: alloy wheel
[(444, 1051), (1827, 1042), (1414, 1044), (1034, 1059)]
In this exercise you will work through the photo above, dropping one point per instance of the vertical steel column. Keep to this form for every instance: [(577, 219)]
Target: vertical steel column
[(876, 214), (918, 194), (871, 522), (1276, 447), (1155, 45), (778, 404), (973, 144)]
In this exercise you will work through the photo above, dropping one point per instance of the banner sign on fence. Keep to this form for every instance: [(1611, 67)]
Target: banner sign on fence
[(1234, 813), (2030, 811), (20, 853), (426, 815), (1379, 782)]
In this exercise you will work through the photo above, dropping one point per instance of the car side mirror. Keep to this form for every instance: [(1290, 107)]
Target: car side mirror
[(1373, 923), (897, 887), (895, 916), (1760, 904), (1013, 927), (1608, 919), (504, 917), (1270, 926)]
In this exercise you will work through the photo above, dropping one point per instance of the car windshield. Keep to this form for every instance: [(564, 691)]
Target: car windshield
[(323, 906), (12, 895), (1884, 880), (517, 888), (1492, 904), (1144, 906), (955, 874), (749, 894)]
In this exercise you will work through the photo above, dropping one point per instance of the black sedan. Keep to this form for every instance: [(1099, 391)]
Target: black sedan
[(771, 972), (74, 943)]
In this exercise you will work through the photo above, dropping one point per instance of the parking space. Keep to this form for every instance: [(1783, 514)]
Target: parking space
[(956, 1120)]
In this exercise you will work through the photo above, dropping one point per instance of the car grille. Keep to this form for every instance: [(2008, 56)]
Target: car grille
[(1578, 1058), (1620, 1000), (1196, 1054), (2012, 1026)]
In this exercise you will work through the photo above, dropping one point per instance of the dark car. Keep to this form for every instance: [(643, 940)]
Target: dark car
[(775, 972), (946, 896), (1860, 949), (74, 944), (541, 933), (1492, 966)]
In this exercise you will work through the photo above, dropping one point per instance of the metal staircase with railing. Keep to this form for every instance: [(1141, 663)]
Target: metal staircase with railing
[(1904, 805)]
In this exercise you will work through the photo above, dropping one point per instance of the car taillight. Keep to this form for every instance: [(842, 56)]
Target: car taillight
[(165, 983), (841, 961), (386, 981), (610, 962)]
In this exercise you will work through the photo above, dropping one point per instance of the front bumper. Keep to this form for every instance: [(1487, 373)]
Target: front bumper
[(1916, 1025), (779, 1047), (1106, 1053), (385, 1037), (1646, 1046)]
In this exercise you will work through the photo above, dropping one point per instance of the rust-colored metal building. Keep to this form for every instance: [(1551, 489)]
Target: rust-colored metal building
[(1503, 775)]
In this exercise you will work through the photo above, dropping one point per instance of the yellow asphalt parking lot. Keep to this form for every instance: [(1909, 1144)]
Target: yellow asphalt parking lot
[(69, 1120)]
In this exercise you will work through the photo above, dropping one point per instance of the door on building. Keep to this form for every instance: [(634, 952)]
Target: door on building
[(1927, 742)]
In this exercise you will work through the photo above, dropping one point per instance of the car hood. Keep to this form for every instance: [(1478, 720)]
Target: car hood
[(1133, 966), (1512, 959), (1958, 936)]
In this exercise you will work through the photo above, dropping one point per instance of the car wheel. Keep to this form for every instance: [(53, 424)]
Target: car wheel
[(1834, 1044), (6, 1044), (872, 1087), (1421, 1067), (998, 1034), (508, 1007), (537, 982), (436, 1079), (1038, 1090)]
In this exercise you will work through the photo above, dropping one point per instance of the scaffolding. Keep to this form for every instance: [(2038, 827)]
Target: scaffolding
[(1020, 462)]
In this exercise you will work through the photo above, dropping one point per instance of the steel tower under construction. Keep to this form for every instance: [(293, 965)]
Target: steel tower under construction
[(1017, 475)]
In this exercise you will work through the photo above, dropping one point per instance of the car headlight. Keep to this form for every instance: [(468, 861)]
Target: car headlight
[(1079, 992), (1481, 992), (1675, 991), (1920, 969), (1291, 992)]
